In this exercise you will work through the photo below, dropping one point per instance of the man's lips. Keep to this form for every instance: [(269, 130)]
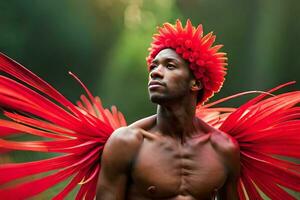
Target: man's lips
[(155, 83)]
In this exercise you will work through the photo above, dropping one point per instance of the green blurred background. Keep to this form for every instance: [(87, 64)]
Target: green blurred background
[(105, 43)]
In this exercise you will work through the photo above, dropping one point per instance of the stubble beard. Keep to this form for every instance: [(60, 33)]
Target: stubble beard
[(163, 99)]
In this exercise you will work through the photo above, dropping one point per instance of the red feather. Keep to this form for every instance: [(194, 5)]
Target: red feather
[(79, 132), (267, 130)]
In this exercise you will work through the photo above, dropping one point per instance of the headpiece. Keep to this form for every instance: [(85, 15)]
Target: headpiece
[(206, 63)]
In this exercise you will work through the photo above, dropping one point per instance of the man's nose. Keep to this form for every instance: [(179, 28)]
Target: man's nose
[(157, 72)]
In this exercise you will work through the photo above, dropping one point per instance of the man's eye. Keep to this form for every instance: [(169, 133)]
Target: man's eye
[(170, 66)]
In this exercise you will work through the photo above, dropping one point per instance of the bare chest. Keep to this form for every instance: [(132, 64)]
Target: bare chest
[(166, 169)]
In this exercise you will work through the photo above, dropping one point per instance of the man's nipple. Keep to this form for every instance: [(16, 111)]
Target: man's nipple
[(151, 189)]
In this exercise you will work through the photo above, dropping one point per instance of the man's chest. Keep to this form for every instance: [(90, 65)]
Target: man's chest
[(166, 168)]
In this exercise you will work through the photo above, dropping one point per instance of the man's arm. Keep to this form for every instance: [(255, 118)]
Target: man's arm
[(229, 189), (230, 152), (117, 156)]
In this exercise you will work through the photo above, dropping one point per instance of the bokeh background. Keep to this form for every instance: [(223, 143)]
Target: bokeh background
[(105, 43)]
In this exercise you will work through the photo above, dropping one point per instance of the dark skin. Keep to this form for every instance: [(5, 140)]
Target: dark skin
[(173, 154)]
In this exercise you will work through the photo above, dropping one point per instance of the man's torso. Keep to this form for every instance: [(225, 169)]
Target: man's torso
[(166, 168)]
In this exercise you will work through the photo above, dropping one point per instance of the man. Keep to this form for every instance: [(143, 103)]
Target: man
[(174, 154)]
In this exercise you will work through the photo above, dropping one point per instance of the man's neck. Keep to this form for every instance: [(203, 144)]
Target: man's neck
[(177, 120)]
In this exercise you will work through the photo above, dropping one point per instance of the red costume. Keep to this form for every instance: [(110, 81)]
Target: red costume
[(266, 127)]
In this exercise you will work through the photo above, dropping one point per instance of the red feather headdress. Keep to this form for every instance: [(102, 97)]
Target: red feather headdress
[(206, 63)]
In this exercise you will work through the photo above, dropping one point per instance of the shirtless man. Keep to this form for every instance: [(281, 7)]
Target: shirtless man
[(173, 154)]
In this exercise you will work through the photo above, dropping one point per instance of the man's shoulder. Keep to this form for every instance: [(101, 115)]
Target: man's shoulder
[(121, 148), (125, 137), (224, 142), (228, 149), (144, 123), (132, 135), (221, 141)]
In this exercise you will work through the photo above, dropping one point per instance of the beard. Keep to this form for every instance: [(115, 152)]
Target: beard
[(158, 99), (165, 98)]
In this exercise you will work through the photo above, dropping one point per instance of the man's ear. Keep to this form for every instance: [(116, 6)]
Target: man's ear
[(196, 85)]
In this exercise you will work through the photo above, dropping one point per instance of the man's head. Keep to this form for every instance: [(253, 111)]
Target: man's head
[(170, 78), (203, 59)]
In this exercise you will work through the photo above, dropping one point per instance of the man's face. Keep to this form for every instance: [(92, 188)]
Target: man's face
[(169, 77)]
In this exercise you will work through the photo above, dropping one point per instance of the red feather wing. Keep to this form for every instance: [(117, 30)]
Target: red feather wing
[(267, 129), (77, 132)]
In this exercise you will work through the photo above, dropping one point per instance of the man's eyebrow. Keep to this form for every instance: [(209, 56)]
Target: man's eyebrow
[(167, 60)]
